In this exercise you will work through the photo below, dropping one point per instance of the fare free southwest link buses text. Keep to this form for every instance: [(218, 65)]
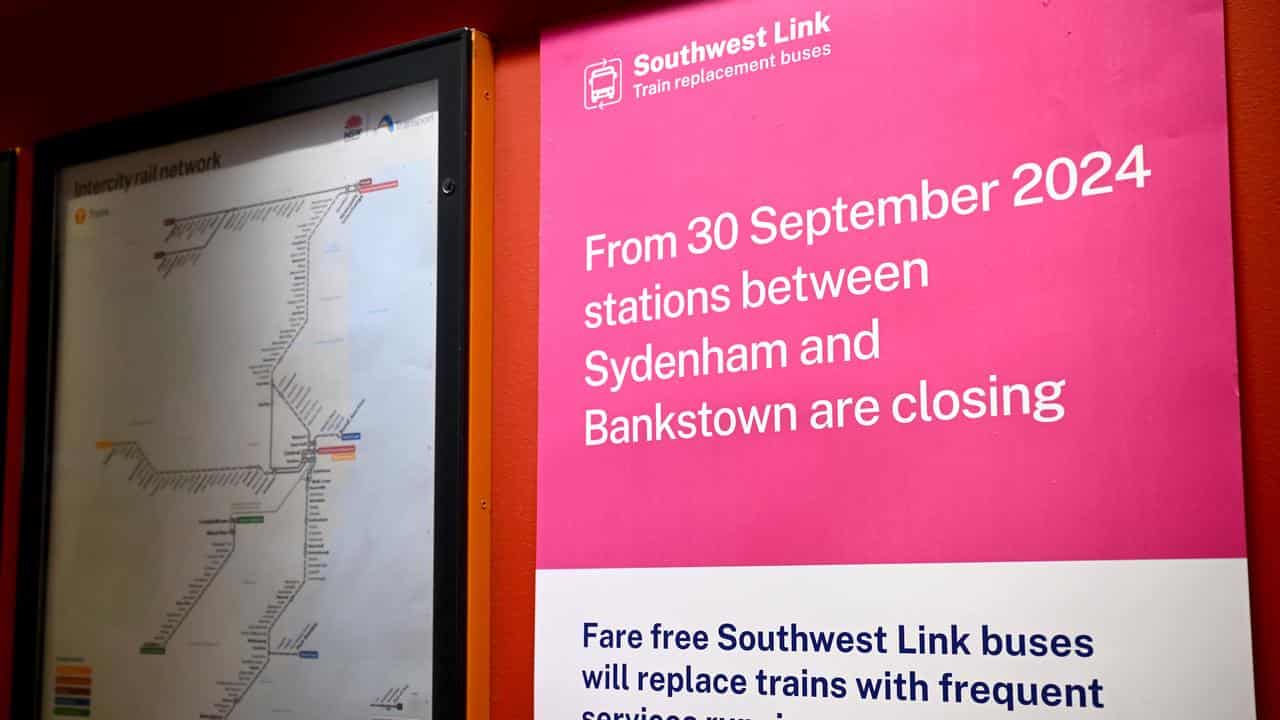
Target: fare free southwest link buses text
[(1061, 180), (905, 641)]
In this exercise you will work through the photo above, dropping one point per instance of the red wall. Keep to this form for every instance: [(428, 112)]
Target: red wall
[(1253, 92), (75, 63)]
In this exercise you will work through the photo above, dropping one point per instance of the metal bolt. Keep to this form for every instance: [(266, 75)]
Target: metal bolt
[(448, 186)]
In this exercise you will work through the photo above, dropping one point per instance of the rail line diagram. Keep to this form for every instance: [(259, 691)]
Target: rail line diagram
[(243, 476)]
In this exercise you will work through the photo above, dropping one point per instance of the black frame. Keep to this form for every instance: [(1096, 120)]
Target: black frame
[(446, 59), (8, 193)]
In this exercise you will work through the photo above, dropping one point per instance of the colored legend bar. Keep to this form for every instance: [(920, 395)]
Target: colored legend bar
[(336, 450), (152, 650), (103, 444), (367, 185), (72, 688), (347, 437), (309, 654), (249, 519), (343, 457)]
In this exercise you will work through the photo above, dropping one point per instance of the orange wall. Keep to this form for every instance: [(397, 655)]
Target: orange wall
[(57, 68)]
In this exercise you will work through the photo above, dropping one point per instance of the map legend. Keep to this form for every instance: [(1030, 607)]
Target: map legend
[(73, 689)]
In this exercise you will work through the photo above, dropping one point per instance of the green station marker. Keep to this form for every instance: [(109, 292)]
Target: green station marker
[(250, 519), (152, 650)]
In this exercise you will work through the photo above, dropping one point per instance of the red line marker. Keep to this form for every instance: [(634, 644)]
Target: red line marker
[(388, 185)]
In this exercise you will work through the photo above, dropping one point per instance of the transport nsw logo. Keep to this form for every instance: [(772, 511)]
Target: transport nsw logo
[(358, 125), (602, 84), (353, 127)]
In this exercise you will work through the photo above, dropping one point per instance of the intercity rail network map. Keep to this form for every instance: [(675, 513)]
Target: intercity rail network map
[(243, 491)]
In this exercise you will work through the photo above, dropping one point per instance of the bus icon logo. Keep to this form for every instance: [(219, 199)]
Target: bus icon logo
[(602, 84)]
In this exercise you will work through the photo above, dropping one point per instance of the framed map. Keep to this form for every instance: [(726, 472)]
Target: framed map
[(247, 483)]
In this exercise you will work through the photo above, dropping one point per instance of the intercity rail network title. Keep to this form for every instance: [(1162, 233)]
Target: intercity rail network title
[(155, 172)]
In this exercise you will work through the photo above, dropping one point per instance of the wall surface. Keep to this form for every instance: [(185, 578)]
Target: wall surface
[(1253, 105), (77, 63)]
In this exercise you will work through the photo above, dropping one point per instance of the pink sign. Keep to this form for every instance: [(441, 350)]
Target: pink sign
[(993, 238)]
